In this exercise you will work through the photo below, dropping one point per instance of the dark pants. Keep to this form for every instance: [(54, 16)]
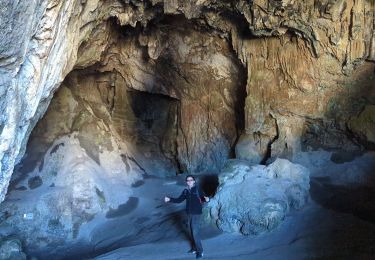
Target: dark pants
[(194, 222)]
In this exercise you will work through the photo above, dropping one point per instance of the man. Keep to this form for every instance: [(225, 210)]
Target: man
[(194, 200)]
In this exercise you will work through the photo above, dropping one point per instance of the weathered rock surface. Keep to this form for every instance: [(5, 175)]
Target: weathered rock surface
[(179, 111), (72, 189), (165, 86), (364, 125), (125, 116), (340, 168), (11, 249), (305, 65), (201, 75), (254, 199)]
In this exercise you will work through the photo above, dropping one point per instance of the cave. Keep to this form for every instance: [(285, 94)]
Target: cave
[(177, 115), (109, 106)]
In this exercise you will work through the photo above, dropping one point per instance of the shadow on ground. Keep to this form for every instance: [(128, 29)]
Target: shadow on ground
[(348, 229), (356, 200)]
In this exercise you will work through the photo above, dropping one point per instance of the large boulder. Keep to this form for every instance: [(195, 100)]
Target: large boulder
[(254, 199)]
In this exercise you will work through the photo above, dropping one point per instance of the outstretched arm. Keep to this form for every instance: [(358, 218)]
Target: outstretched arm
[(176, 200)]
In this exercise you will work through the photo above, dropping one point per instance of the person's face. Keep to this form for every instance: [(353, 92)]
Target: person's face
[(190, 182)]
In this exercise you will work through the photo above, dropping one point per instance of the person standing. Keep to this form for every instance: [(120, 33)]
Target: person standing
[(194, 199)]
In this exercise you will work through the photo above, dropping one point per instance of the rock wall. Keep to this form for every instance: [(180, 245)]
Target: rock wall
[(306, 62), (178, 110)]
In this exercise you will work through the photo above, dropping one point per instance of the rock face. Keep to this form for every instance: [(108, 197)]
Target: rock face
[(96, 94), (364, 125), (202, 78), (309, 69), (179, 111), (11, 249), (66, 190), (252, 200)]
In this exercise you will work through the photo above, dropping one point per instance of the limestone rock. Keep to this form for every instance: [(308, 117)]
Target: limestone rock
[(254, 199), (256, 147), (302, 61), (72, 190), (246, 150), (11, 249), (203, 116), (364, 125)]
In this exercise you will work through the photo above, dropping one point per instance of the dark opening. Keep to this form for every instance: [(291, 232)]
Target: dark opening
[(209, 184)]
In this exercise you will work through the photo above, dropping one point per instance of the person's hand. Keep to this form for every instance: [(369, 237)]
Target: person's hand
[(167, 199), (207, 199)]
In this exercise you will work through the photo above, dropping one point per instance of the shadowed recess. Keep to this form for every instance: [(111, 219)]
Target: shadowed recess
[(209, 184), (123, 209)]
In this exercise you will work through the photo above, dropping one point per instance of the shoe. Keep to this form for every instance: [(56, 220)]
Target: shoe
[(199, 255), (192, 251)]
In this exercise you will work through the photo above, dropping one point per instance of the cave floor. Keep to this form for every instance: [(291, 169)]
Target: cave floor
[(337, 223), (314, 232)]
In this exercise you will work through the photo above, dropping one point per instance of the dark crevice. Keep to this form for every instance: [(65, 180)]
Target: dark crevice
[(124, 157), (181, 167), (241, 94), (241, 24), (269, 146), (240, 111)]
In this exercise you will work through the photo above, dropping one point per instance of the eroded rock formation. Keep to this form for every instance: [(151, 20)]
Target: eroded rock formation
[(11, 249), (124, 118), (297, 73), (179, 111), (252, 200), (163, 82)]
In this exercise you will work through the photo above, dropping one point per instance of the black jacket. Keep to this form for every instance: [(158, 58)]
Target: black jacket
[(194, 199)]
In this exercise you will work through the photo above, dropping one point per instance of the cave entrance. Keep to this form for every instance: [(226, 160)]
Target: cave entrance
[(169, 98)]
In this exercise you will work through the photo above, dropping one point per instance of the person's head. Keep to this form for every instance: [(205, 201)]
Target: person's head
[(190, 180)]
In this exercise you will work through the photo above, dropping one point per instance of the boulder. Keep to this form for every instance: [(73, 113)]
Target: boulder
[(255, 199)]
